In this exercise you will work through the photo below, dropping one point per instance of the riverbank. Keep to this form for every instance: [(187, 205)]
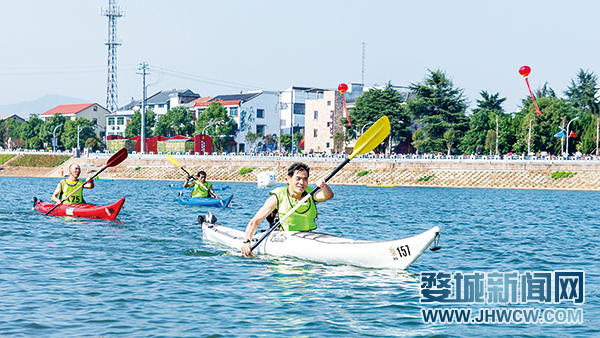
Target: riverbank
[(555, 175)]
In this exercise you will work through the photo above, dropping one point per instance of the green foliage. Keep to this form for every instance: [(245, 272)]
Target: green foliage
[(216, 122), (44, 161), (244, 171), (425, 178), (137, 168), (286, 141), (364, 172), (251, 139), (561, 174), (134, 127), (93, 144), (437, 107), (177, 121), (374, 104), (450, 139), (583, 91), (5, 157)]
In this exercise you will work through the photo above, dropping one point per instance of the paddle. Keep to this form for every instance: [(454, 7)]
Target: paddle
[(367, 142), (174, 161), (113, 161)]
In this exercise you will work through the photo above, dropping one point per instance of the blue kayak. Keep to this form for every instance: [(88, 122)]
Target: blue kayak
[(180, 187), (206, 201)]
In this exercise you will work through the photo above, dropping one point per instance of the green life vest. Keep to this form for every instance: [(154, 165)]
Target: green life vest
[(303, 219), (68, 187), (199, 191)]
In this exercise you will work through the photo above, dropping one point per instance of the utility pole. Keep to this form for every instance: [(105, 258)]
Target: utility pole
[(364, 45), (144, 71), (113, 13)]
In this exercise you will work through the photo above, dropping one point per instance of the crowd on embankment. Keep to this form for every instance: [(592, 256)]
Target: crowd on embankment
[(480, 173)]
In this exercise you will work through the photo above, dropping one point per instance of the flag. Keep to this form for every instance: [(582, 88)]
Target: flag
[(560, 134), (572, 134)]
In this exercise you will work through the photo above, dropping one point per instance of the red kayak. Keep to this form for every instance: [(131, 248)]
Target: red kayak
[(109, 211)]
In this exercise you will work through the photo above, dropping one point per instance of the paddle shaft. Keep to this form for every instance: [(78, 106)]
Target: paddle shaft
[(314, 191)]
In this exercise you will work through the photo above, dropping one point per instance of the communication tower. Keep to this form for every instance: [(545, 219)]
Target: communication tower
[(113, 12)]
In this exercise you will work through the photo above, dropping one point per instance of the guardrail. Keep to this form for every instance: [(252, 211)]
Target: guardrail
[(333, 157)]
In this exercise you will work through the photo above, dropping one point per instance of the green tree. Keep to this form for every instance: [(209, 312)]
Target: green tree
[(134, 126), (543, 127), (177, 121), (31, 129), (251, 139), (93, 143), (48, 127), (418, 140), (216, 122), (270, 142), (437, 107), (482, 120), (374, 104), (450, 139), (581, 94), (68, 138), (286, 141)]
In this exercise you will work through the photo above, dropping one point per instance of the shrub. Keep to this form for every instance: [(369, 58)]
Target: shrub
[(44, 161), (561, 174), (244, 171), (137, 168), (5, 158), (364, 172), (425, 178)]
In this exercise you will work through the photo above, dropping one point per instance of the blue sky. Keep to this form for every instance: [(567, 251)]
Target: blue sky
[(57, 47)]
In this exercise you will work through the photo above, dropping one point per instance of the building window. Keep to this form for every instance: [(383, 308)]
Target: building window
[(161, 106), (327, 145), (328, 124), (95, 120), (233, 111), (95, 108), (329, 103), (260, 129), (260, 113), (315, 132), (316, 115), (111, 121), (120, 121), (120, 134), (283, 123)]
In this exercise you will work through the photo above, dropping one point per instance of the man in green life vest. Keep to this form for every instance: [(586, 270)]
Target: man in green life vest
[(283, 199), (70, 184), (201, 187)]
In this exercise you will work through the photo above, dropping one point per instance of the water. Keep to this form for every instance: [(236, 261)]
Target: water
[(150, 274)]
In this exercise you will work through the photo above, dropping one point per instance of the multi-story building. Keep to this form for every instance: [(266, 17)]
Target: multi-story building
[(91, 111), (160, 103), (322, 123), (254, 112)]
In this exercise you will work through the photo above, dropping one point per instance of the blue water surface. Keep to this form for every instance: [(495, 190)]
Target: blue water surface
[(150, 274)]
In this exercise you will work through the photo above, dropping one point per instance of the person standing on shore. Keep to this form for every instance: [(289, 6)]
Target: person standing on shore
[(68, 185), (283, 199), (201, 187)]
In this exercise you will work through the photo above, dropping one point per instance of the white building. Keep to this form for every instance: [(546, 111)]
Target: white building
[(293, 107), (160, 103), (91, 111), (254, 112)]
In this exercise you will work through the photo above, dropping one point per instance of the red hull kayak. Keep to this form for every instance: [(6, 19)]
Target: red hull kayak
[(109, 211)]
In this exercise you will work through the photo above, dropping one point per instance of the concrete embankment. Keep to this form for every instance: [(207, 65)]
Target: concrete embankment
[(509, 174)]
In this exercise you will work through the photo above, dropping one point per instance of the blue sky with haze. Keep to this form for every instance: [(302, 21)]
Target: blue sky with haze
[(220, 47)]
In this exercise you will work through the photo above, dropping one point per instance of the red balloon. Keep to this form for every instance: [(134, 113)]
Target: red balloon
[(343, 88), (524, 71)]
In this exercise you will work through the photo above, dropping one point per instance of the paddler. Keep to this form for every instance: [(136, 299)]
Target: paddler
[(201, 187), (70, 184), (283, 199)]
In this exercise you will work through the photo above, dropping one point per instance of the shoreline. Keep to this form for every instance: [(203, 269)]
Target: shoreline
[(530, 175)]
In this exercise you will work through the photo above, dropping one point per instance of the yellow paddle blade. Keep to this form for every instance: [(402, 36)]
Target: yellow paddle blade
[(173, 160), (372, 137)]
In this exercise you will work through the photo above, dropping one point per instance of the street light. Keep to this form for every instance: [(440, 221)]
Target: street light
[(54, 143), (362, 131), (79, 128), (567, 146)]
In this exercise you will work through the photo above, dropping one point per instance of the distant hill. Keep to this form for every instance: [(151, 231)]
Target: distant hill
[(39, 106)]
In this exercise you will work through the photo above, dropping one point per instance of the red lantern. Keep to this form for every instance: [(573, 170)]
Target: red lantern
[(343, 88), (524, 71)]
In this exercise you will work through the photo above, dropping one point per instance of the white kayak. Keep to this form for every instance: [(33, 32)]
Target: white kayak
[(330, 249)]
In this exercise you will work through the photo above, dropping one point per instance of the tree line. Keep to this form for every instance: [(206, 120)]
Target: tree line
[(434, 118)]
